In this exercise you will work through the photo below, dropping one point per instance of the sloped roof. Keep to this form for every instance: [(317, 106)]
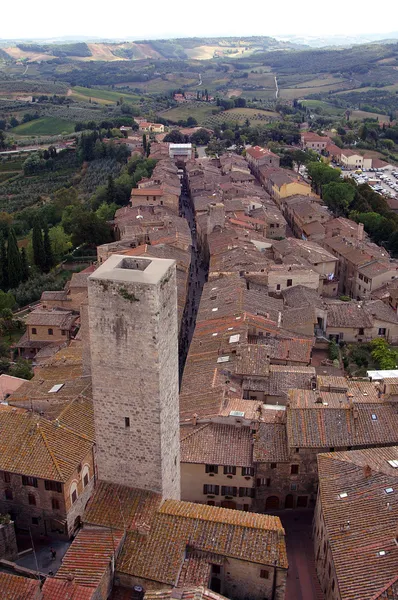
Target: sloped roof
[(14, 587), (120, 506), (217, 444), (88, 558), (364, 475), (33, 446), (158, 555), (57, 589)]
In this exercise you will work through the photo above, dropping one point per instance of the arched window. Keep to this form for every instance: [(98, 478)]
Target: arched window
[(73, 492), (86, 475)]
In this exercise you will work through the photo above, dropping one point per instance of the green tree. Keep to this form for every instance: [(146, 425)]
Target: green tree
[(110, 190), (60, 242), (63, 198), (7, 300), (39, 257), (22, 369), (322, 174), (144, 142), (383, 355), (338, 196), (106, 212), (85, 227), (24, 265), (48, 253), (14, 265), (6, 322), (3, 264)]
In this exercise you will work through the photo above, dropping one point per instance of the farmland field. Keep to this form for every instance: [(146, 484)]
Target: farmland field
[(44, 126), (100, 96), (199, 110), (359, 115), (325, 106), (239, 115)]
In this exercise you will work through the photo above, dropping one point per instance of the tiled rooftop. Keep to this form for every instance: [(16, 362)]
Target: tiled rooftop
[(14, 587), (33, 446), (88, 558), (120, 506), (57, 589), (158, 556), (214, 443), (364, 475)]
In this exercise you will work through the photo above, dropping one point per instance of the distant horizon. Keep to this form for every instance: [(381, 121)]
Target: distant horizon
[(137, 21), (131, 38)]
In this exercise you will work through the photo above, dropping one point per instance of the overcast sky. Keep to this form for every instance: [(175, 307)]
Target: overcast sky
[(159, 18)]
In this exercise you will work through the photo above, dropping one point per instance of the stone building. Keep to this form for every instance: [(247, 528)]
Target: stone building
[(355, 524), (46, 471), (134, 366), (217, 465), (46, 327)]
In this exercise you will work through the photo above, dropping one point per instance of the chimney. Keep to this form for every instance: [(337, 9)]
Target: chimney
[(367, 471), (360, 232), (195, 419)]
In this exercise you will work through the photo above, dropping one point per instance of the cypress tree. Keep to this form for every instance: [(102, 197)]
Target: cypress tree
[(24, 264), (39, 257), (3, 264), (13, 261), (144, 142), (48, 252), (110, 190)]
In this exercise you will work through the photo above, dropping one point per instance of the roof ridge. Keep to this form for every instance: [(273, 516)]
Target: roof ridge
[(49, 450), (195, 432)]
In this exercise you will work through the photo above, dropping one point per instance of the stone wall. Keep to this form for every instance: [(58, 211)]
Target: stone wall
[(134, 362), (8, 542)]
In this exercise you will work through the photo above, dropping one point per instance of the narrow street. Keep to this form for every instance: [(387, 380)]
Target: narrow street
[(197, 277), (302, 581)]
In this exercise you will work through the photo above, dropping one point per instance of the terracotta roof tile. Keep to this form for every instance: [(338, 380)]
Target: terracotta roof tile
[(56, 589), (89, 556), (33, 446), (121, 507), (214, 443), (270, 443), (18, 588), (364, 475), (159, 555)]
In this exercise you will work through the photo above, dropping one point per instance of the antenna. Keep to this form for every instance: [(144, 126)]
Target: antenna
[(34, 554)]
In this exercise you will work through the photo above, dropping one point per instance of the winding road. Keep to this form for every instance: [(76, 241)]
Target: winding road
[(276, 88)]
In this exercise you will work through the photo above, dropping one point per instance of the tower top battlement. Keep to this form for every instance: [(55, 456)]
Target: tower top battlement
[(132, 269)]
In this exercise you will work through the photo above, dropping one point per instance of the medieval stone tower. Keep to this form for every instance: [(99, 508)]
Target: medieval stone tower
[(134, 366)]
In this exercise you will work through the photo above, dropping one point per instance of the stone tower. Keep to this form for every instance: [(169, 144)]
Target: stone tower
[(134, 365), (215, 217)]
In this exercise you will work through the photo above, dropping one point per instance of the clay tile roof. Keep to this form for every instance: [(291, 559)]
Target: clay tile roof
[(56, 589), (390, 592), (348, 314), (300, 295), (104, 508), (18, 588), (55, 318), (185, 593), (58, 295), (89, 556), (31, 445), (320, 426), (258, 152), (364, 475), (159, 555), (252, 359), (270, 443), (217, 444)]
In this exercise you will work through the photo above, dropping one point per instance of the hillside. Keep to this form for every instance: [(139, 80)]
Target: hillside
[(184, 48)]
